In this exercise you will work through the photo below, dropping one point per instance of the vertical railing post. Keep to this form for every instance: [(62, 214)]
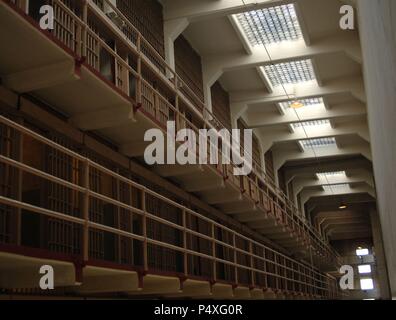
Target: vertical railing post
[(78, 39), (265, 268), (214, 252), (85, 212), (176, 84), (299, 279), (124, 74), (277, 273), (117, 75), (306, 282), (156, 106), (118, 197), (126, 77), (18, 222), (84, 51), (235, 257), (139, 69), (296, 285), (185, 255), (23, 5), (310, 252), (144, 222), (252, 272), (311, 282), (177, 106)]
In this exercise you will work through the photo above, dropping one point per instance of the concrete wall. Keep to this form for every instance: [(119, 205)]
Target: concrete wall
[(377, 20), (382, 271)]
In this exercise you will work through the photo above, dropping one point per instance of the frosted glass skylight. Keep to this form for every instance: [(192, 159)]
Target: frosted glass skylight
[(362, 252), (366, 284), (314, 123), (364, 269), (292, 72), (270, 25), (306, 102), (318, 143), (334, 174), (336, 187)]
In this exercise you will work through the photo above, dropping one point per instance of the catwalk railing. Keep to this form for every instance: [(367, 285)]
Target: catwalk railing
[(139, 72), (86, 210)]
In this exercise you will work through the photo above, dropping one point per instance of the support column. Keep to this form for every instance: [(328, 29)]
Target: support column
[(173, 29), (296, 191), (208, 96), (377, 22), (237, 110), (210, 75), (278, 163)]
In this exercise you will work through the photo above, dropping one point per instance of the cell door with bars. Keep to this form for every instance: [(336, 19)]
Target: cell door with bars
[(8, 182), (197, 265), (130, 250), (102, 245), (225, 272), (59, 235), (159, 257)]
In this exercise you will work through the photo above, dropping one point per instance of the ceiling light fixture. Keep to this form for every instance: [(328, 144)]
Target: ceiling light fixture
[(343, 206), (296, 104)]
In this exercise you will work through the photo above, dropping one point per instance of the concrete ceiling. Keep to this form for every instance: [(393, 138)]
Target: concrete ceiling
[(205, 35), (351, 223), (337, 62), (336, 65), (242, 79), (320, 17)]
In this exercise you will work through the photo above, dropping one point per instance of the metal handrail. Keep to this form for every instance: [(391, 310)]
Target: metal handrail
[(177, 82), (281, 262)]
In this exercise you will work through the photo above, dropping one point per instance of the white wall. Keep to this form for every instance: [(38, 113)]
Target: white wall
[(377, 20)]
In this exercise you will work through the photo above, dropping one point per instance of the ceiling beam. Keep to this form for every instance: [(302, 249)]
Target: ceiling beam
[(345, 223), (348, 236), (352, 85), (270, 137), (321, 217), (320, 168), (281, 156), (319, 204), (292, 171), (306, 195), (261, 119), (350, 230), (197, 10), (300, 184), (298, 50)]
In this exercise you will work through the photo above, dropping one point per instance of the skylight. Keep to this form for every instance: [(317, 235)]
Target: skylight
[(342, 187), (270, 25), (306, 102), (362, 251), (314, 123), (292, 72), (364, 269), (334, 174), (367, 284), (318, 143)]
